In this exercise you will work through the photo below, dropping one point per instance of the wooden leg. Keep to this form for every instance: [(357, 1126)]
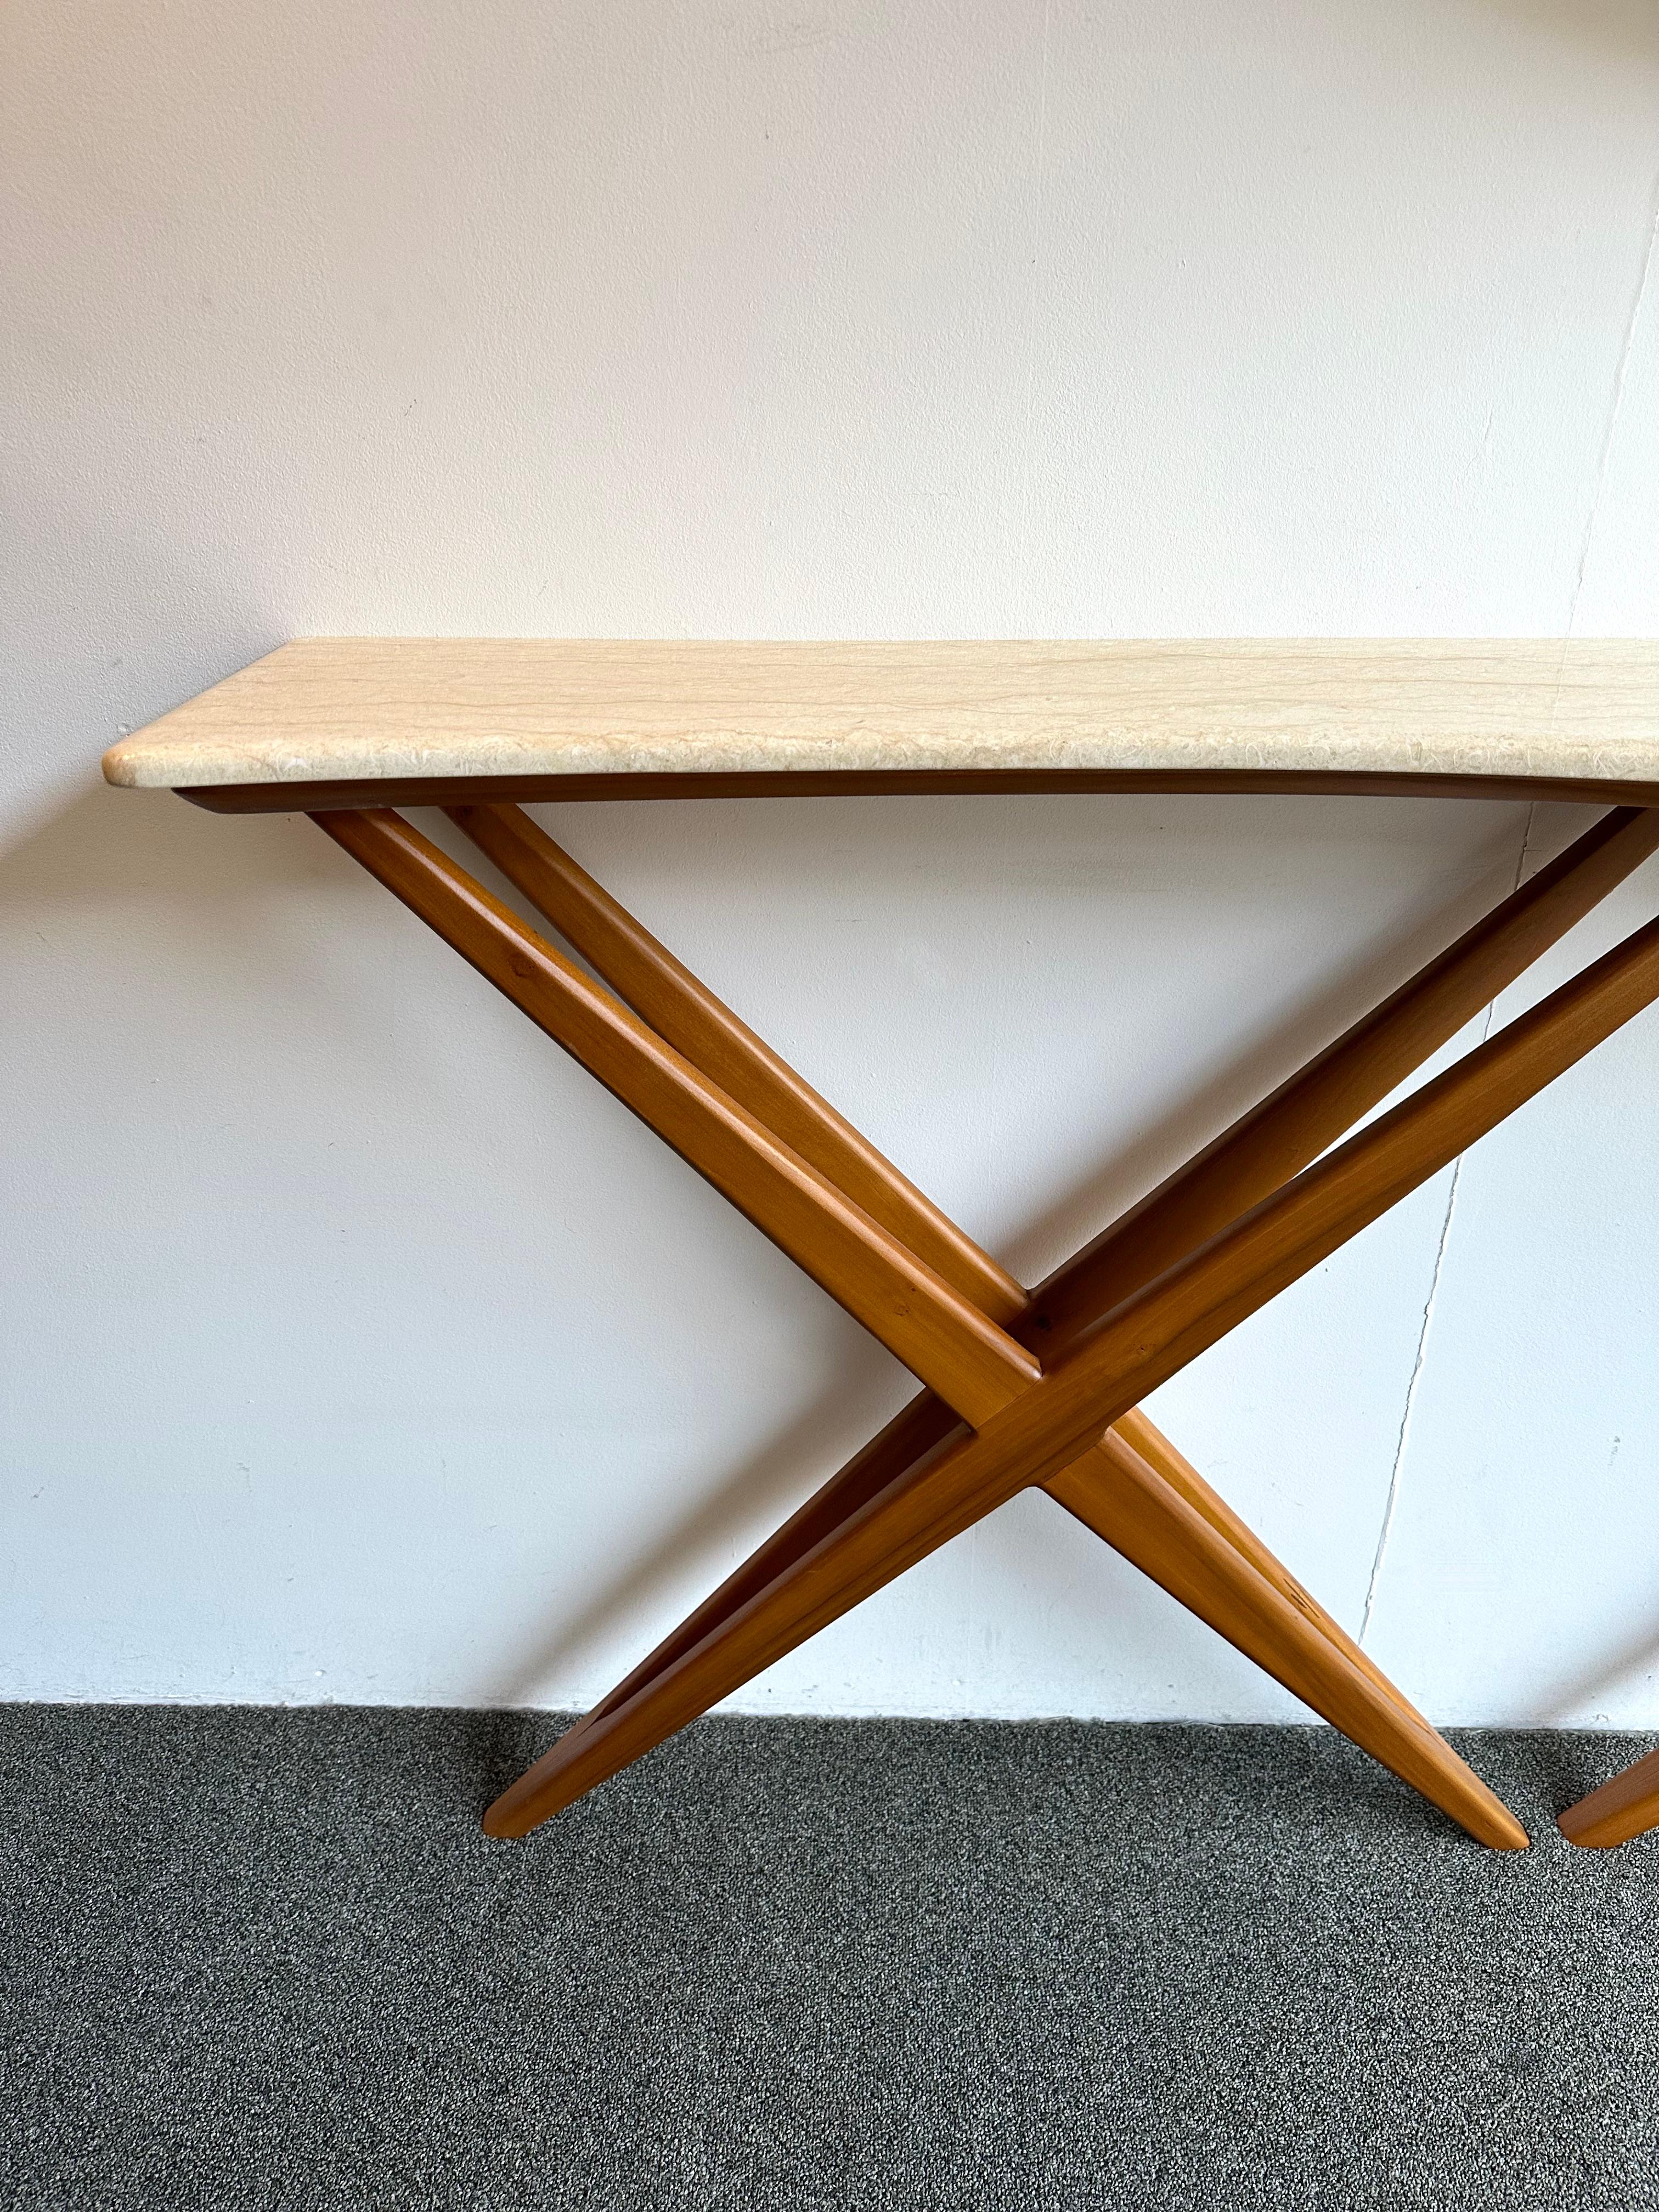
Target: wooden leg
[(1140, 1344), (1144, 1517), (1282, 1135), (1626, 1807), (1218, 1569), (1086, 1491), (925, 1425), (682, 1010), (918, 1312), (1135, 1431)]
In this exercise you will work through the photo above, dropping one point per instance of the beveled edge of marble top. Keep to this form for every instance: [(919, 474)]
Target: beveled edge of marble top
[(322, 709)]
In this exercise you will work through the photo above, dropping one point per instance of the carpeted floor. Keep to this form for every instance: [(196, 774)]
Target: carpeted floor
[(260, 1958)]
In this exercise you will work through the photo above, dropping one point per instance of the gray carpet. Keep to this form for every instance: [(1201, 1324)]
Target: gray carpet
[(265, 1957)]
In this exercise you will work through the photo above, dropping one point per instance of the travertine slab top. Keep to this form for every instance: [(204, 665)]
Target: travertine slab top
[(327, 708)]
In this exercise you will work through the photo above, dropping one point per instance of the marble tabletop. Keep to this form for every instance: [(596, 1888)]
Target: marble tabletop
[(321, 709)]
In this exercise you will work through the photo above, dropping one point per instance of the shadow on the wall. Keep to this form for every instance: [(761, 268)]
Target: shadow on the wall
[(149, 842), (1629, 26), (1632, 1656), (233, 907), (111, 628), (229, 912), (770, 1479)]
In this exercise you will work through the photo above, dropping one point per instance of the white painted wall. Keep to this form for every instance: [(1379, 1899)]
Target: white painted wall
[(357, 1346)]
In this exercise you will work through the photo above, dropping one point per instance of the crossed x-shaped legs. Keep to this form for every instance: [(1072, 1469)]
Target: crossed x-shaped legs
[(1022, 1389)]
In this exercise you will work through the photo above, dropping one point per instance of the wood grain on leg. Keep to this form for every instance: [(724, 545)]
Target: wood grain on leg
[(682, 1010), (1142, 1515), (1280, 1136), (1627, 1806), (1133, 1349)]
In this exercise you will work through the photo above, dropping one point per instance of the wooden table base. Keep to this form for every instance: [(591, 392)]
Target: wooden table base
[(1022, 1389)]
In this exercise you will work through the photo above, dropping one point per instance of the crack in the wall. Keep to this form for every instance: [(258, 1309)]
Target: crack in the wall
[(1400, 1441), (1632, 325), (1615, 409), (1396, 1472)]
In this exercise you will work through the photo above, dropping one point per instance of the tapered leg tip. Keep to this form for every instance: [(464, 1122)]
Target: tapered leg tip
[(1489, 1820), (1503, 1832), (1617, 1813), (1602, 1833), (1583, 1836)]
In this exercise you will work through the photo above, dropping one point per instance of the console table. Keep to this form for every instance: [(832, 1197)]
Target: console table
[(1020, 1386)]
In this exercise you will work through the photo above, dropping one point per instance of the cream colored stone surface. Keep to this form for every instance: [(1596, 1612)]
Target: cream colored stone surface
[(323, 709)]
